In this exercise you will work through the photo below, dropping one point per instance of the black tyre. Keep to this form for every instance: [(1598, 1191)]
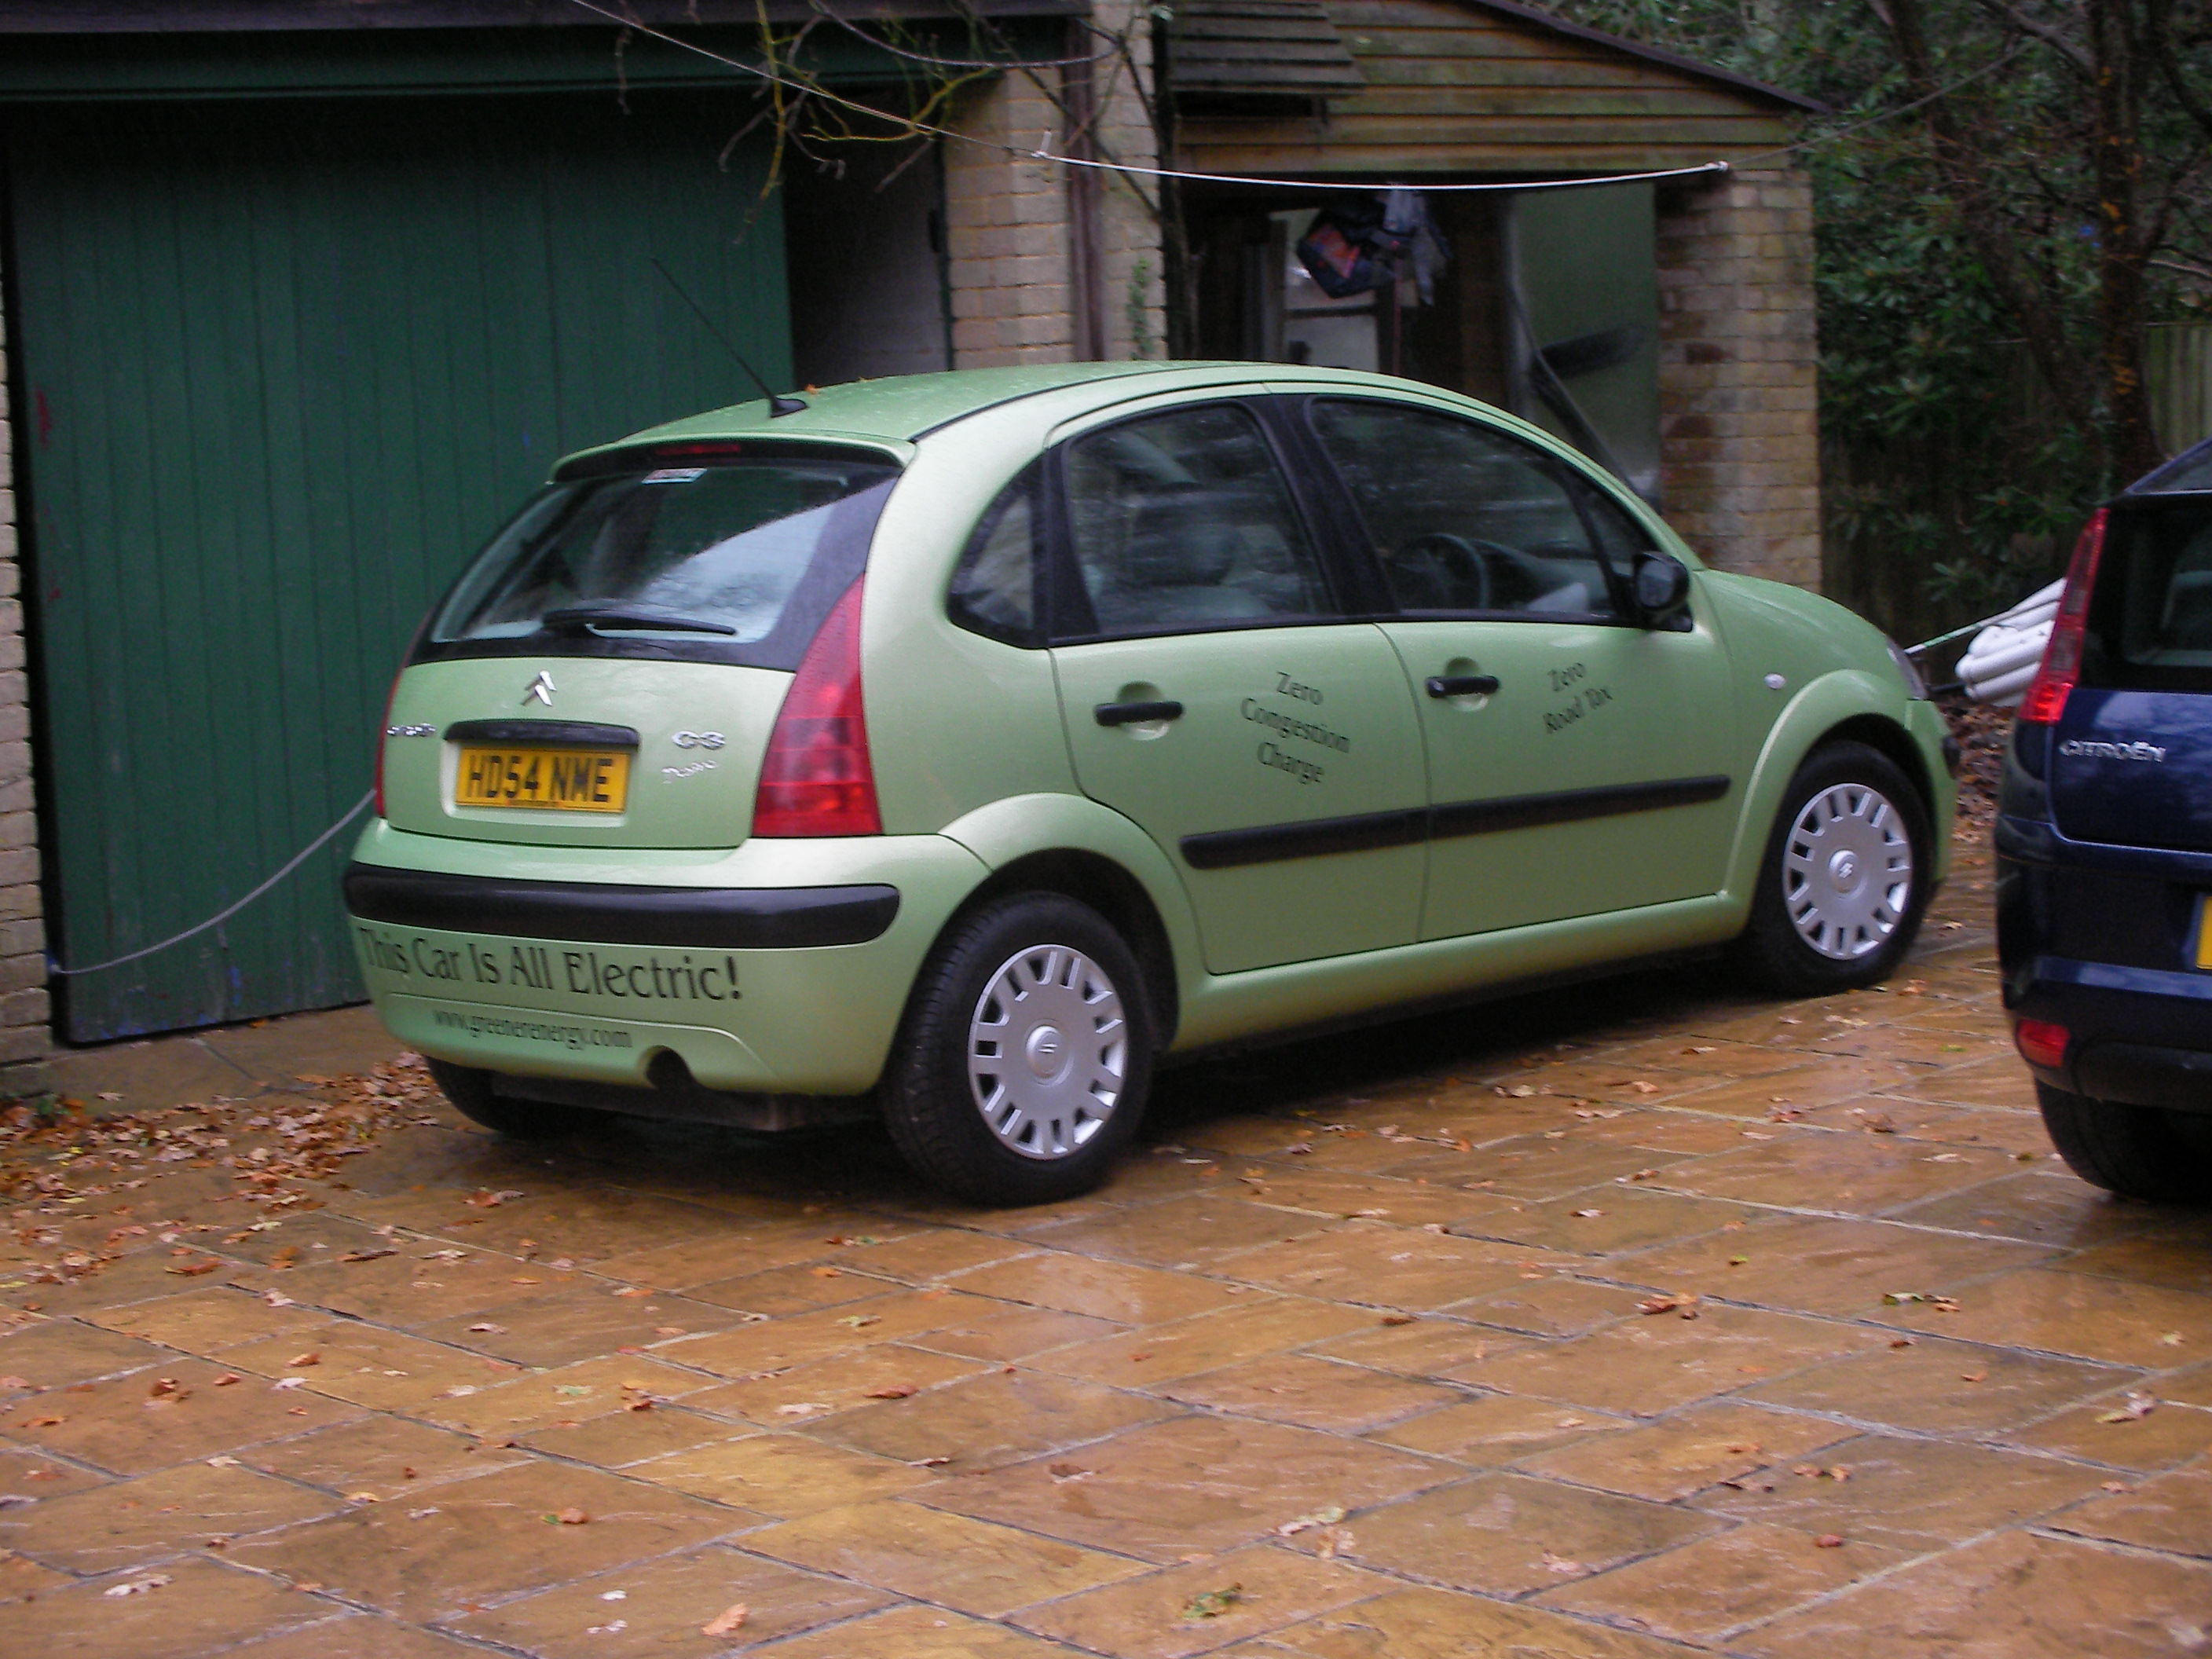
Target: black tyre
[(471, 1092), (1025, 1055), (2140, 1151), (1844, 880)]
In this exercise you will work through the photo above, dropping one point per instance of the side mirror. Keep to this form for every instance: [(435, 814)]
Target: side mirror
[(1661, 584)]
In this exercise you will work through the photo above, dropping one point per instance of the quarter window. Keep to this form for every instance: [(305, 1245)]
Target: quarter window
[(1182, 522), (1462, 517), (994, 590)]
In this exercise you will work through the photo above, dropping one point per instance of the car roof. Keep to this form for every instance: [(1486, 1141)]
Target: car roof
[(905, 408)]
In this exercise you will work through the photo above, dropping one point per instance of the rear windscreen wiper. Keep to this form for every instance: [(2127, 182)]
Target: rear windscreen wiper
[(575, 618)]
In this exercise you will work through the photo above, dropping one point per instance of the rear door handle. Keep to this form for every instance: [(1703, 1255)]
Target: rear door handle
[(1462, 685), (1132, 713)]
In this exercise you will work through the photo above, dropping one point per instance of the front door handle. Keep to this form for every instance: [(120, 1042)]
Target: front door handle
[(1462, 685), (1133, 714)]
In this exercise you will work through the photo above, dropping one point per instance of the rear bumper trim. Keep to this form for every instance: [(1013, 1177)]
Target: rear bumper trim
[(704, 918), (2144, 1074)]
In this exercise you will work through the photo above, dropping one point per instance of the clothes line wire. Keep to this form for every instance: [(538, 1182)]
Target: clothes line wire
[(1137, 170)]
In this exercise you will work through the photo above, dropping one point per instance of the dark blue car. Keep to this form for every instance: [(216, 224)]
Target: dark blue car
[(2104, 840)]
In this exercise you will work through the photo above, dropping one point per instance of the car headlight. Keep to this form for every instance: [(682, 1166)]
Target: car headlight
[(1916, 685)]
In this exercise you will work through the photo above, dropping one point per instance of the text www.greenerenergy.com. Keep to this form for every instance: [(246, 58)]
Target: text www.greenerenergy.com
[(533, 1030)]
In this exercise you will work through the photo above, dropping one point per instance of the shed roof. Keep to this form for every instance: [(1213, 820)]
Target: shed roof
[(1455, 86)]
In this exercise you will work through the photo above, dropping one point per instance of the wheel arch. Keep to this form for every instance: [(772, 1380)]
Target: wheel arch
[(1847, 706), (1090, 879), (1073, 846)]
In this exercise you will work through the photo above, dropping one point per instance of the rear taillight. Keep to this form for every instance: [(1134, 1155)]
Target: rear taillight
[(2041, 1042), (816, 779), (2062, 658), (384, 736)]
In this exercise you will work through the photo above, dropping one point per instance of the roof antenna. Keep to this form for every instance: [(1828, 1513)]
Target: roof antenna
[(776, 406)]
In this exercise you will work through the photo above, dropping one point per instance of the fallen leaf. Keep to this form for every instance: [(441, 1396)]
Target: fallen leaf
[(801, 1408), (488, 1329), (570, 1517), (289, 1382), (723, 1623), (891, 1391), (1328, 1517), (368, 1255), (138, 1586), (1982, 1375), (46, 1422), (192, 1269), (165, 1386), (861, 1322), (1586, 1215), (1397, 1319), (1559, 1564), (310, 1358), (1211, 1604), (1828, 1541), (2139, 1406)]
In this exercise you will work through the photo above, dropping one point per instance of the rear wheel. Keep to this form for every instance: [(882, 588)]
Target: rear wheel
[(471, 1092), (2140, 1151), (1024, 1061), (1845, 880)]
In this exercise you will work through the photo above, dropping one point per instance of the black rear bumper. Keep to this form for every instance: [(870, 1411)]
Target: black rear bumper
[(2101, 939), (603, 913)]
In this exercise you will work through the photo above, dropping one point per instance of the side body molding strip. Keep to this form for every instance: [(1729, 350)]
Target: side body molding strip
[(1225, 849)]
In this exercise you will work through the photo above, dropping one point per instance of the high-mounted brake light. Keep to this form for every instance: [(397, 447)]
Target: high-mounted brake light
[(2062, 658), (817, 778)]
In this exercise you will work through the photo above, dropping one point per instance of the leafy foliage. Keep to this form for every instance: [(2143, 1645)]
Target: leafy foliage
[(1967, 265)]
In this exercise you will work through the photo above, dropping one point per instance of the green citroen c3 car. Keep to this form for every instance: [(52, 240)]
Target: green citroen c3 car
[(954, 750)]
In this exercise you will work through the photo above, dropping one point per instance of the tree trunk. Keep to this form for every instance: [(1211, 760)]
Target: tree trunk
[(2122, 240)]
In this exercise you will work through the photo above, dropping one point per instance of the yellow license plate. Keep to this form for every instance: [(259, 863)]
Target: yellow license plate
[(562, 780), (2204, 932)]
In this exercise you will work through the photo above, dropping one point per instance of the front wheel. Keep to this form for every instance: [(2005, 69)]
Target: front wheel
[(2139, 1151), (1025, 1055), (1845, 880), (471, 1092)]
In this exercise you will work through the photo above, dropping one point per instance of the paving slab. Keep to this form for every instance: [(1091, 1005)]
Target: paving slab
[(1650, 1321)]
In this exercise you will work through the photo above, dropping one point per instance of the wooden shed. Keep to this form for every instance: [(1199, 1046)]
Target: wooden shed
[(1665, 325)]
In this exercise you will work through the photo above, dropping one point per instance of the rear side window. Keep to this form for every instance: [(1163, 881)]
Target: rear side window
[(737, 559), (2150, 620), (1461, 517), (994, 589), (1182, 522)]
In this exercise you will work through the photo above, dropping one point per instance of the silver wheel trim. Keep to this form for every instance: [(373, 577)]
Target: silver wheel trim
[(1048, 1051), (1847, 871)]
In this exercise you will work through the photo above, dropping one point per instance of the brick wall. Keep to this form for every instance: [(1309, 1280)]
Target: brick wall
[(1739, 450), (23, 1041), (1010, 221)]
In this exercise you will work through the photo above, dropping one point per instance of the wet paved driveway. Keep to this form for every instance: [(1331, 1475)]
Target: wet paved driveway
[(1628, 1321)]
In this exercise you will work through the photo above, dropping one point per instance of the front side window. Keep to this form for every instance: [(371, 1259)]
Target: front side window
[(1182, 522), (719, 559), (1462, 517)]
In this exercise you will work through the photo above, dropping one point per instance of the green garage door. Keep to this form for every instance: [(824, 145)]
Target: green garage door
[(282, 367)]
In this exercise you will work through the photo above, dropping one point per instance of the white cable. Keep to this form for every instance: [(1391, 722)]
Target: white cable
[(221, 917)]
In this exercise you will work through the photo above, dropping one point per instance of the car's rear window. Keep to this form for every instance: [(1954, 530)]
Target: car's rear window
[(2150, 620), (734, 559)]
